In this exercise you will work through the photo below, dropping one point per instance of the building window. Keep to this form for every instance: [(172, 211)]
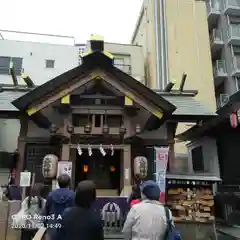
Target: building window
[(50, 63), (5, 64), (197, 159), (119, 63)]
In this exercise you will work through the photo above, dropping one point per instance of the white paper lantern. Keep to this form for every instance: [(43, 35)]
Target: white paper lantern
[(49, 166), (140, 166)]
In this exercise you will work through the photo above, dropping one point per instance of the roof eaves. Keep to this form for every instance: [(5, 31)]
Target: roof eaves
[(141, 89), (196, 131), (24, 101)]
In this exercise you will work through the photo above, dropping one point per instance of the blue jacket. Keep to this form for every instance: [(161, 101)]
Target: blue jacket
[(14, 192), (57, 202)]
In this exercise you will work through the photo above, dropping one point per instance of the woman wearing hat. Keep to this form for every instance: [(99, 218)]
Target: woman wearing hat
[(147, 220)]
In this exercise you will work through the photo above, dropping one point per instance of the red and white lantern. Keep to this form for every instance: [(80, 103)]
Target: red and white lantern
[(233, 120)]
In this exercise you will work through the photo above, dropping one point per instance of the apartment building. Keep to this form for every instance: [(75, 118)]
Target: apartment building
[(224, 30), (174, 36), (43, 61)]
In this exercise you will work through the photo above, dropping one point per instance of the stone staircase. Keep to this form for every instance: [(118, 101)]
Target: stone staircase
[(113, 236)]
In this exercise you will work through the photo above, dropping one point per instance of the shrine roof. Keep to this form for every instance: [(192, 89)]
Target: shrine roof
[(90, 62), (224, 112), (6, 98), (187, 105)]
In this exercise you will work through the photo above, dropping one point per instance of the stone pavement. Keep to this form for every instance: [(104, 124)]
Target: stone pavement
[(6, 211), (229, 232)]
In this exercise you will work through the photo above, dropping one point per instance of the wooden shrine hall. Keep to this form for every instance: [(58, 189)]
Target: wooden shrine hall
[(100, 119)]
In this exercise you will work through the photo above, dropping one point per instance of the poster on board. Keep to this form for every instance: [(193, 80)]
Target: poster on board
[(25, 179), (161, 160), (64, 167)]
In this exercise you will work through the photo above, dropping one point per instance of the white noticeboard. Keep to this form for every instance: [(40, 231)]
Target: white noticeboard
[(126, 173), (25, 179), (64, 167)]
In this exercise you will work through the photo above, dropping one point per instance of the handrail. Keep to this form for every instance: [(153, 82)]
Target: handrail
[(40, 234), (219, 67)]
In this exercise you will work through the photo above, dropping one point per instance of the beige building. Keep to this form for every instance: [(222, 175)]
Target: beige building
[(175, 39), (127, 57)]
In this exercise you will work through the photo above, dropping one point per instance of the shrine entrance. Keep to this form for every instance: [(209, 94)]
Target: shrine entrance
[(104, 170)]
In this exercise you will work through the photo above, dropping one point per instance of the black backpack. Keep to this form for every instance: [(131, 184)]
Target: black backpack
[(171, 232)]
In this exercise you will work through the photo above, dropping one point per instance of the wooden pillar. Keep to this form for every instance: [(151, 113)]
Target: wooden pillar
[(171, 129), (171, 155), (21, 146), (127, 170), (65, 152), (66, 147), (127, 164)]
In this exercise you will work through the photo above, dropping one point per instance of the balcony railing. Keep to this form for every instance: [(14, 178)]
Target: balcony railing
[(6, 71), (216, 35), (231, 4), (125, 68), (213, 6), (219, 68), (236, 64), (218, 102), (234, 31)]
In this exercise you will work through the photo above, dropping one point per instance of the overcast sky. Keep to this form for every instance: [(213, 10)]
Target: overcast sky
[(113, 19)]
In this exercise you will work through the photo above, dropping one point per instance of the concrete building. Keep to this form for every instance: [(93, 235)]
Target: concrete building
[(127, 57), (174, 36), (43, 61), (223, 22)]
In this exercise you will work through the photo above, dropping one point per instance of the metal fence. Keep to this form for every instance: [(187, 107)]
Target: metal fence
[(219, 67), (216, 35), (213, 6)]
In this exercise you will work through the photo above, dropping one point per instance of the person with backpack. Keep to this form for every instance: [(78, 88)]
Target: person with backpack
[(57, 201), (150, 219), (32, 208)]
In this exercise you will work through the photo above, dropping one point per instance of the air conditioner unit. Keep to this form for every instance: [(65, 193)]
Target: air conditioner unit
[(224, 98)]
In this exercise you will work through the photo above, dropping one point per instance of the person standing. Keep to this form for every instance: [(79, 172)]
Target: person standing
[(147, 219), (135, 196), (81, 221), (32, 207), (57, 202)]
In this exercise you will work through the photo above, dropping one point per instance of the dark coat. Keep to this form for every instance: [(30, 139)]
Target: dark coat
[(80, 223), (13, 192), (57, 202)]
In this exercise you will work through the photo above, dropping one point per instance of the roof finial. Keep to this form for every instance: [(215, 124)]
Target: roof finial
[(97, 43), (95, 37)]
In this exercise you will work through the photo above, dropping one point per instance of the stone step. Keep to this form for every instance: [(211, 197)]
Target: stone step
[(113, 236)]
